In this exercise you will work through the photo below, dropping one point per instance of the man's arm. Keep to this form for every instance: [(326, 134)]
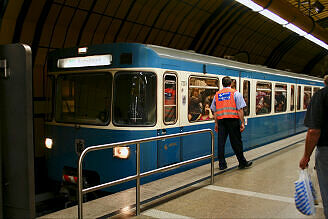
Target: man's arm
[(311, 141), (241, 117)]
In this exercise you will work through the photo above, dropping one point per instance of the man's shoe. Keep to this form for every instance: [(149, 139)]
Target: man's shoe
[(223, 166), (246, 165)]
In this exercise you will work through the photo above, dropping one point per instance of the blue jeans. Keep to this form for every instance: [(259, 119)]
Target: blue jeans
[(321, 164)]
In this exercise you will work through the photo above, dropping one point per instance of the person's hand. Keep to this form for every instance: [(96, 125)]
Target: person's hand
[(242, 127), (216, 127), (304, 162)]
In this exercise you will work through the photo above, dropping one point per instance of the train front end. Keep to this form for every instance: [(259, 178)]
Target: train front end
[(100, 95)]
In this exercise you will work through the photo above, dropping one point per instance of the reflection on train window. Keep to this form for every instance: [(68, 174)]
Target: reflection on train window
[(170, 99), (246, 95), (201, 94), (307, 97), (234, 84), (280, 98), (299, 97), (84, 98), (292, 97), (134, 98), (263, 98), (50, 83), (315, 89)]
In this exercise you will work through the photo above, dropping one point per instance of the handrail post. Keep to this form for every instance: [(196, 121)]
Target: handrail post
[(212, 159), (138, 181), (80, 199), (138, 175)]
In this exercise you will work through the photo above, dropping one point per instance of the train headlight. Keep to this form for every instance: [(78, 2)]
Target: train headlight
[(121, 152), (48, 143)]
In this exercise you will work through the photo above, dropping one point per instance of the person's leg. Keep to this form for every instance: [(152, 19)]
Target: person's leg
[(235, 140), (222, 138), (321, 165)]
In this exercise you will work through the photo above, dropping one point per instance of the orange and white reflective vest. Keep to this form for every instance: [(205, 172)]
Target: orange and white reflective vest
[(225, 104)]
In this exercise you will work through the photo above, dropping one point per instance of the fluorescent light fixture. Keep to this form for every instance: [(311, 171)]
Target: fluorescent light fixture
[(316, 41), (272, 16), (85, 61), (250, 4), (296, 29)]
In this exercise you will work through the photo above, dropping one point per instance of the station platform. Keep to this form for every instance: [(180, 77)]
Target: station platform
[(265, 190)]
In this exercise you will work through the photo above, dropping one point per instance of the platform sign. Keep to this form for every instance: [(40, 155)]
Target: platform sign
[(17, 193)]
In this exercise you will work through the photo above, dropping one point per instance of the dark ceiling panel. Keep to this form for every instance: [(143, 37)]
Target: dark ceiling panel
[(113, 9), (233, 18), (74, 29), (86, 19), (99, 27), (215, 28), (199, 37), (183, 21), (101, 6), (166, 16), (218, 28), (128, 8), (90, 29), (49, 29), (99, 34), (69, 21), (39, 27), (230, 40), (156, 18)]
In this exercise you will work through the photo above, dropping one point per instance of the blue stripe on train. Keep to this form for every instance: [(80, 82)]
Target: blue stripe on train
[(259, 131)]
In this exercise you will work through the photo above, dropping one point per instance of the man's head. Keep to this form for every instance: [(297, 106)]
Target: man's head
[(226, 81), (325, 80)]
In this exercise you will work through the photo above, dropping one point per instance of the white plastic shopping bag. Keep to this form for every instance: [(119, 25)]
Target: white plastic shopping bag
[(304, 194)]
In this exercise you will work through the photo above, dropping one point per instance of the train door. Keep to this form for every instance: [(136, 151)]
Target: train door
[(169, 149), (246, 91), (292, 107)]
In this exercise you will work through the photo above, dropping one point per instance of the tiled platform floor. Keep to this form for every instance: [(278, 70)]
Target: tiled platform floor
[(263, 191)]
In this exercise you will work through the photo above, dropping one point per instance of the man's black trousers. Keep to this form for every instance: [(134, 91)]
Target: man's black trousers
[(230, 127)]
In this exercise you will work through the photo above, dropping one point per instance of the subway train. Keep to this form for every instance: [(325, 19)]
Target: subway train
[(102, 94)]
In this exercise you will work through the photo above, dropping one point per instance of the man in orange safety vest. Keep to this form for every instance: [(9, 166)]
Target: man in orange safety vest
[(228, 107)]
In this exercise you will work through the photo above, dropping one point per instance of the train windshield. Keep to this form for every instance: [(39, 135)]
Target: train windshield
[(84, 98), (134, 98)]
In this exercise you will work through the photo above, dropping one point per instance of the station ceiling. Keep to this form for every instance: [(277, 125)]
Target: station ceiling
[(222, 28)]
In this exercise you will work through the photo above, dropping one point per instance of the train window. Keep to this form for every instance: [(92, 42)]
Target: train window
[(134, 98), (263, 98), (84, 98), (170, 99), (315, 89), (299, 97), (50, 84), (246, 95), (201, 94), (292, 97), (234, 84), (307, 97), (280, 98)]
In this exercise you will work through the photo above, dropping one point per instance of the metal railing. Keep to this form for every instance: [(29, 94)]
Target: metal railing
[(138, 175)]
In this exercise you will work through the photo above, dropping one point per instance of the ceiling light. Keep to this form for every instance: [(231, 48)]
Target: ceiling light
[(250, 4), (316, 41), (272, 16), (296, 29)]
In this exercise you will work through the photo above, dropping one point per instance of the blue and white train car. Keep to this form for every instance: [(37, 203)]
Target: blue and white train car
[(124, 91)]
